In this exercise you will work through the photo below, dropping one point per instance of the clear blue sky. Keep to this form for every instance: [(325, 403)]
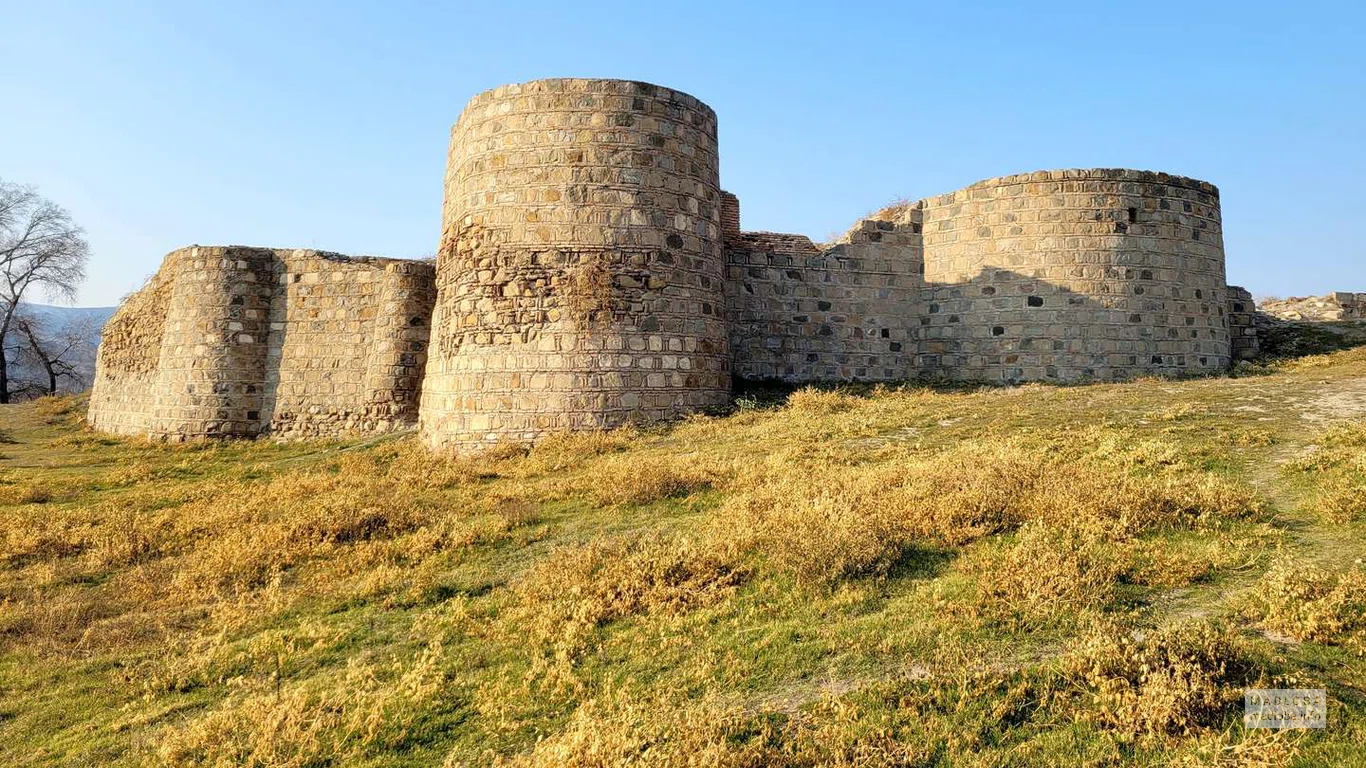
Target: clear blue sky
[(161, 124)]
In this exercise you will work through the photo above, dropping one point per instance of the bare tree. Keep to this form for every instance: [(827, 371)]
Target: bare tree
[(53, 357), (40, 248)]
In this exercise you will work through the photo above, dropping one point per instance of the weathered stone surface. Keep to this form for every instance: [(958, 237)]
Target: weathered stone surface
[(580, 269), (592, 273), (238, 342), (1242, 324), (1053, 276)]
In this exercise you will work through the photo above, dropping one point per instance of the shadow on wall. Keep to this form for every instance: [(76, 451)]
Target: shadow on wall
[(231, 341), (1050, 276), (1010, 327), (1001, 326)]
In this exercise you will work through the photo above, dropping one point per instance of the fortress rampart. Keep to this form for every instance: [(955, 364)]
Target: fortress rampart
[(579, 275), (847, 312), (591, 272), (1048, 276), (238, 342)]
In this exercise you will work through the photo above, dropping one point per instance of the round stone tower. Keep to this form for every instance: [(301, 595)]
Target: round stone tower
[(579, 277), (1075, 274)]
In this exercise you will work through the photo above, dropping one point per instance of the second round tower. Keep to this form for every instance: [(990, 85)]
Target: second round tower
[(579, 277)]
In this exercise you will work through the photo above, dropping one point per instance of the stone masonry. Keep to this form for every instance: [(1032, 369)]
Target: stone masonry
[(1242, 324), (1336, 306), (239, 342), (1048, 276), (591, 273), (580, 269)]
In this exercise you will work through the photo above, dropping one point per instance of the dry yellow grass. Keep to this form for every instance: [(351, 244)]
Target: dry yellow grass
[(826, 523), (1049, 571), (578, 588), (368, 710), (1336, 463)]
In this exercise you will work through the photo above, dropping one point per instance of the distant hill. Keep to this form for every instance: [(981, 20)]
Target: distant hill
[(63, 317), (59, 322)]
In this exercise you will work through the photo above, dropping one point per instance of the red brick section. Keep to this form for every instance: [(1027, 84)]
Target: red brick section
[(775, 243), (730, 216)]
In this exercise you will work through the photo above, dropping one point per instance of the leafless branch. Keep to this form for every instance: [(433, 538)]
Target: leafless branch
[(40, 247)]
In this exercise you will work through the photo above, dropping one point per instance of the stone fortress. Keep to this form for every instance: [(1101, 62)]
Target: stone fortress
[(592, 272)]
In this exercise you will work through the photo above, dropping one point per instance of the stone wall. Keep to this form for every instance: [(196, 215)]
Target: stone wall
[(580, 269), (1048, 276), (1242, 324), (349, 344), (128, 361), (1069, 275), (1340, 305), (238, 342), (846, 312)]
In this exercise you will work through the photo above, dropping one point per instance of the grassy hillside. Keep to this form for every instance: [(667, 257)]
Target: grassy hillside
[(860, 577)]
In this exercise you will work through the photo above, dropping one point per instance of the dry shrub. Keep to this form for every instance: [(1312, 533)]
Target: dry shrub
[(893, 211), (1126, 505), (301, 725), (889, 726), (368, 527), (1125, 449), (412, 465), (819, 532), (1340, 446), (1177, 680), (973, 491), (55, 406), (127, 536), (1166, 563), (294, 518), (821, 401), (1249, 437), (33, 533), (1309, 603), (635, 480), (38, 492), (825, 522), (578, 588), (587, 295), (1048, 571), (242, 539), (1347, 434)]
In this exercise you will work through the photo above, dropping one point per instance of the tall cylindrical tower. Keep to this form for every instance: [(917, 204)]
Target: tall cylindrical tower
[(579, 278)]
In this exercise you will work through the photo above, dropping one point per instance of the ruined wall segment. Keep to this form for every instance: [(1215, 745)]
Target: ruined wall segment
[(1073, 275), (845, 312), (347, 344), (231, 341), (129, 357), (1242, 324), (580, 270), (1336, 306)]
